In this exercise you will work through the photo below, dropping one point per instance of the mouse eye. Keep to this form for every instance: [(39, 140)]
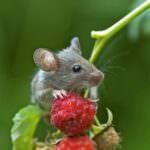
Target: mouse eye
[(76, 68)]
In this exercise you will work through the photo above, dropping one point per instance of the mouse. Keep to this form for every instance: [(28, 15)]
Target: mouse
[(62, 72)]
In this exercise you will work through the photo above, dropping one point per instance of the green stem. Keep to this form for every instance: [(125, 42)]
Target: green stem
[(103, 36), (99, 44), (97, 121)]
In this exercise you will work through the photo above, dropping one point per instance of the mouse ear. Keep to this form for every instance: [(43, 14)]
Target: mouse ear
[(45, 60), (75, 45)]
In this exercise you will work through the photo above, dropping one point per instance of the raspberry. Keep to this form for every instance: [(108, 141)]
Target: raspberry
[(72, 114), (75, 143), (108, 139)]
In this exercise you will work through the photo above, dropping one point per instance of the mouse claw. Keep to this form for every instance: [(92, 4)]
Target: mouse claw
[(59, 93), (63, 92)]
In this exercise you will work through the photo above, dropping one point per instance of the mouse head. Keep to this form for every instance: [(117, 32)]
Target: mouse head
[(68, 69)]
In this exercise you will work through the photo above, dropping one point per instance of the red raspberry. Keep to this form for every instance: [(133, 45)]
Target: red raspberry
[(72, 114), (75, 143)]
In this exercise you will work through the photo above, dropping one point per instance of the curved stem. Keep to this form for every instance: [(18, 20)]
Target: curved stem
[(103, 36), (97, 49)]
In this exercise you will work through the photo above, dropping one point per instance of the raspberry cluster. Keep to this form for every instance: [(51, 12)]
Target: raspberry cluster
[(73, 115)]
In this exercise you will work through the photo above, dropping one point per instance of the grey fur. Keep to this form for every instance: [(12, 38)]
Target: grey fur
[(45, 82)]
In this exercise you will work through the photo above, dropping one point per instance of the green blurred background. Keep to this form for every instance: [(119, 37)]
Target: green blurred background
[(27, 25)]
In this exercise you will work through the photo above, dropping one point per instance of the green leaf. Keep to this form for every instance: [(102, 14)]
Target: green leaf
[(24, 125)]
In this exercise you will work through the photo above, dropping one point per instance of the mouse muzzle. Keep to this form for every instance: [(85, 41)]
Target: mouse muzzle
[(96, 78)]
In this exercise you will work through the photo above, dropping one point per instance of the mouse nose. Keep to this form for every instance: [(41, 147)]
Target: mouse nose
[(97, 77)]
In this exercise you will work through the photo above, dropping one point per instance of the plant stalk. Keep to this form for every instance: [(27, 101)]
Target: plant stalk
[(103, 36)]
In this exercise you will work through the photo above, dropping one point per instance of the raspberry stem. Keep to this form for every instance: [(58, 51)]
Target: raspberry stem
[(97, 121), (103, 36)]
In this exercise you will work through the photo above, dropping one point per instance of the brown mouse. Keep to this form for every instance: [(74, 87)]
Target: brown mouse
[(59, 72)]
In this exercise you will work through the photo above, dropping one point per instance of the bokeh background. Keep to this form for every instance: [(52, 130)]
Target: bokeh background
[(27, 25)]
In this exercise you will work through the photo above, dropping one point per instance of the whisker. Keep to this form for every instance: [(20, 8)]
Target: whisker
[(113, 58), (115, 67)]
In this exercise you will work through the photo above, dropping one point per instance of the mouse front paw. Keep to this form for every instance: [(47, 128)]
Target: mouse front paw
[(59, 93)]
